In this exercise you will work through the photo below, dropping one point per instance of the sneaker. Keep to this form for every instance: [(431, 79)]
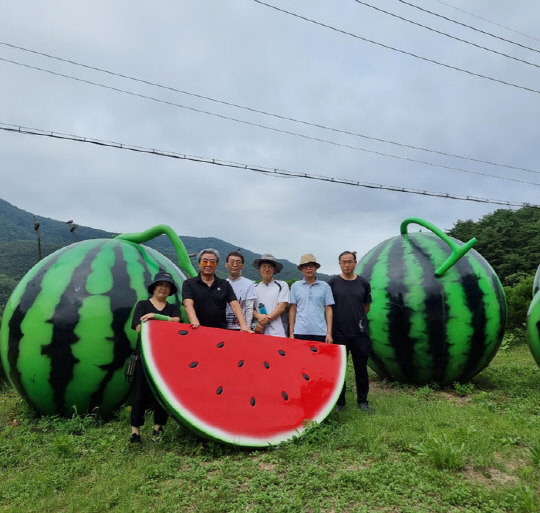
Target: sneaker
[(340, 407), (365, 406), (135, 438)]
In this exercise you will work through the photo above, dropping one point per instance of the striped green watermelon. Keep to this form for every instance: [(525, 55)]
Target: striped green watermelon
[(533, 320), (438, 312), (241, 388), (66, 330)]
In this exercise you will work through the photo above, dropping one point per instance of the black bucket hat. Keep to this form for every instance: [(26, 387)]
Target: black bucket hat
[(162, 276)]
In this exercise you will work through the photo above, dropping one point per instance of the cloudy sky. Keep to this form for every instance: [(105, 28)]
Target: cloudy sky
[(361, 102)]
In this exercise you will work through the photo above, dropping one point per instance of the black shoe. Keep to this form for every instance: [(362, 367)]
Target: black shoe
[(159, 432), (157, 435), (135, 438), (340, 407), (365, 406)]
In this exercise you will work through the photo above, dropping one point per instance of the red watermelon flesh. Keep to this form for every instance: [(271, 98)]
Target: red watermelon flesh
[(241, 388)]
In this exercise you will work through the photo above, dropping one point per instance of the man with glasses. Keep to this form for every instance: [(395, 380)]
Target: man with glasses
[(206, 296), (310, 313), (352, 296), (243, 289)]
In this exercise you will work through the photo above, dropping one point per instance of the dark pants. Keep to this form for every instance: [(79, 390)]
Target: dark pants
[(316, 338), (359, 348), (144, 399)]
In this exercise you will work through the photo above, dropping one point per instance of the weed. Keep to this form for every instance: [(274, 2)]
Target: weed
[(463, 389), (425, 392), (524, 500), (534, 452), (442, 453)]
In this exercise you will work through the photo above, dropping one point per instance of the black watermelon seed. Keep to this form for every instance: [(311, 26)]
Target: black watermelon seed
[(285, 396), (183, 332), (252, 401), (281, 352), (219, 390), (221, 344), (193, 364), (314, 349), (266, 365), (305, 376), (240, 363)]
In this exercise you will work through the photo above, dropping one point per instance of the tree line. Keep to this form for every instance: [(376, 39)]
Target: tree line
[(508, 239)]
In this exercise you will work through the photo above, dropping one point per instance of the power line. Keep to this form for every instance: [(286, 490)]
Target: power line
[(263, 170), (250, 123), (258, 111), (469, 26), (489, 21), (388, 47), (445, 34)]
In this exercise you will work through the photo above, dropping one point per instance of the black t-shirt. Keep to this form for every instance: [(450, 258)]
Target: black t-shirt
[(350, 297), (211, 302), (146, 306)]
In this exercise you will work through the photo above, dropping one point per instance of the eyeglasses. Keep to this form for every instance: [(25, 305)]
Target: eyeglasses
[(212, 263), (235, 262)]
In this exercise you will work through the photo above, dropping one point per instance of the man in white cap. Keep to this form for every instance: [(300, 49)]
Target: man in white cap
[(272, 298), (310, 314)]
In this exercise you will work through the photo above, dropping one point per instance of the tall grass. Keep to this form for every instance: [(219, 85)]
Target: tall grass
[(469, 448)]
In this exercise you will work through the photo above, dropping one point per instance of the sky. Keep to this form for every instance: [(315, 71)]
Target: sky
[(199, 78)]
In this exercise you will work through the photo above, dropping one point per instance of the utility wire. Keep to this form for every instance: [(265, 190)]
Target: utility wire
[(445, 34), (489, 21), (258, 125), (263, 170), (469, 26), (388, 47), (257, 111)]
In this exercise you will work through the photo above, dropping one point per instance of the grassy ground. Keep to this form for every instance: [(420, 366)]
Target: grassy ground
[(471, 448)]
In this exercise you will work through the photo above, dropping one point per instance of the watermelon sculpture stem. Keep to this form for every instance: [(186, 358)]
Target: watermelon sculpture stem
[(162, 229), (457, 250)]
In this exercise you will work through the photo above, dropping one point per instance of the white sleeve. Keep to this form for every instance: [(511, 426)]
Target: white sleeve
[(283, 293), (248, 307)]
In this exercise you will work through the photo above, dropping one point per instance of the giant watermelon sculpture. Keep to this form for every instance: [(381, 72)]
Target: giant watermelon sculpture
[(439, 310), (533, 320), (66, 330), (241, 388)]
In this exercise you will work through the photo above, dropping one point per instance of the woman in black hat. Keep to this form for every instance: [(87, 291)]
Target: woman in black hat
[(160, 289)]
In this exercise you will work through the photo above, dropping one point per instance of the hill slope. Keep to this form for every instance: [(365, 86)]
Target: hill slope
[(19, 248)]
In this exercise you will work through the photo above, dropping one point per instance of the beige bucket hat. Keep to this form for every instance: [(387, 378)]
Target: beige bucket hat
[(308, 258)]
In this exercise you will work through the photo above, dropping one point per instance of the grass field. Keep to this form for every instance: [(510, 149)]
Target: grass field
[(471, 448)]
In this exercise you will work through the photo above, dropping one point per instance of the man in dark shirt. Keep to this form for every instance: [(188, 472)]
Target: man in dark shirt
[(206, 296), (352, 297)]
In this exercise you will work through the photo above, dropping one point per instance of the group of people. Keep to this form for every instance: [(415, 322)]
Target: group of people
[(333, 312)]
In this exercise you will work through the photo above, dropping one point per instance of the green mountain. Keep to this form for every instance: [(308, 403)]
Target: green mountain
[(19, 246)]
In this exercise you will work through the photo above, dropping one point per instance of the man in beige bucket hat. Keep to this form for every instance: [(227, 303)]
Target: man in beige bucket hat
[(310, 313)]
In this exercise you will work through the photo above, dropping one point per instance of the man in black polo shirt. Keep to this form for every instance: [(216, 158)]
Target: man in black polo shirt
[(206, 296)]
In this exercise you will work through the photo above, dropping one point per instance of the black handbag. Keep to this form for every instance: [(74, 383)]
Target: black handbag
[(129, 371)]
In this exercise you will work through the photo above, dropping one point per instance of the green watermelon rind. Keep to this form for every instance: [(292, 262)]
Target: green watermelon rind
[(415, 362), (533, 327), (95, 345), (180, 413)]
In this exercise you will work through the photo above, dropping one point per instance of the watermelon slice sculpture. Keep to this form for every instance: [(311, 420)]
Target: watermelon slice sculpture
[(241, 388)]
